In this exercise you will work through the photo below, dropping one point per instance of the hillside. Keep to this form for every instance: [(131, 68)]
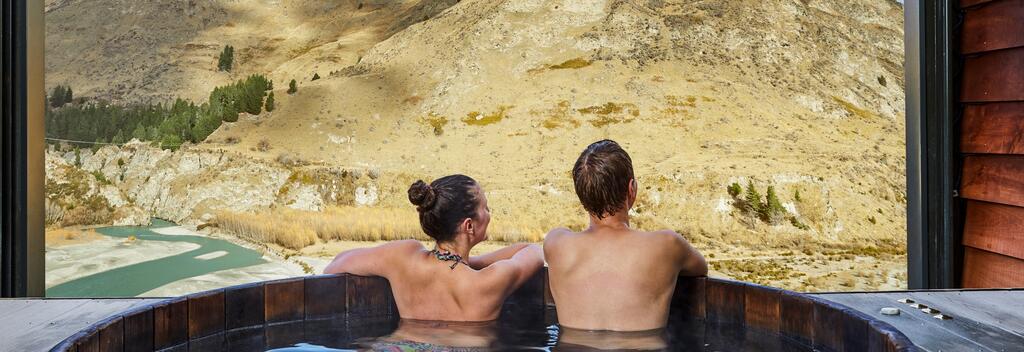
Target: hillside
[(129, 51), (806, 96)]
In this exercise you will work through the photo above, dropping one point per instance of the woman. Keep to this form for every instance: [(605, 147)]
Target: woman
[(444, 283)]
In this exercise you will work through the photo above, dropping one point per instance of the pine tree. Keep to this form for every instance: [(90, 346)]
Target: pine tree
[(68, 96), (206, 123), (229, 113), (118, 138), (153, 133), (773, 210), (226, 59), (752, 200), (57, 96), (269, 104), (170, 142), (139, 132), (292, 88)]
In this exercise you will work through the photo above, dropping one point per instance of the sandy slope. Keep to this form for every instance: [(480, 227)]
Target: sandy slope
[(701, 95), (132, 51)]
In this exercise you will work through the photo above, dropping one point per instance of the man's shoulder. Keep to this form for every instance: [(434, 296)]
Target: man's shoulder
[(664, 237), (666, 234), (557, 234)]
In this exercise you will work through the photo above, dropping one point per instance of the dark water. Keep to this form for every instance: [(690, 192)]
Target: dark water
[(522, 333)]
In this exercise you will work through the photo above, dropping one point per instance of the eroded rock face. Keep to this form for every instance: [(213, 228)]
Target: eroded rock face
[(137, 181), (131, 216)]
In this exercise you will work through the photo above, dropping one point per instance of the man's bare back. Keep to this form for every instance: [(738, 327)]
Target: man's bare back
[(608, 278)]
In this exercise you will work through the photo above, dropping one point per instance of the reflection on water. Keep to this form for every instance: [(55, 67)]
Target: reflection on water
[(523, 330), (423, 334), (650, 340)]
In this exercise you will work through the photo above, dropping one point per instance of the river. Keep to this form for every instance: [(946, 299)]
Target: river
[(135, 279)]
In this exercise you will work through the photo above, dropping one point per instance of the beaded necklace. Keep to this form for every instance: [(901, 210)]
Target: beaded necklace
[(448, 256)]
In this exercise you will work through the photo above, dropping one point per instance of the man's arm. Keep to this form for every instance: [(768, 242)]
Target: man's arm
[(483, 261), (510, 274), (371, 261), (691, 262)]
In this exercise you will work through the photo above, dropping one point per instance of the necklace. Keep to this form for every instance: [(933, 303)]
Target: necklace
[(448, 256)]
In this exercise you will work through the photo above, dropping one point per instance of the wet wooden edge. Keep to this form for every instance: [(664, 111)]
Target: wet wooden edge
[(896, 338), (207, 319)]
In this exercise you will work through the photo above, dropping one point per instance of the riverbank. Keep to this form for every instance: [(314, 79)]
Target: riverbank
[(159, 260)]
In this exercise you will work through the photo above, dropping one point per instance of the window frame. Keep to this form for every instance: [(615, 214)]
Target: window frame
[(934, 212)]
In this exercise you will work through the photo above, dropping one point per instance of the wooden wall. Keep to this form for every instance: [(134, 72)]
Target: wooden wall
[(992, 142)]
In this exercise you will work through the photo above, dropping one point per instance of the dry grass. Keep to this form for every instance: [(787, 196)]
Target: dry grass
[(282, 228), (576, 63), (296, 229), (854, 110)]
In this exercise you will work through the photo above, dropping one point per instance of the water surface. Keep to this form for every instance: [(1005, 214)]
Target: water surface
[(133, 280)]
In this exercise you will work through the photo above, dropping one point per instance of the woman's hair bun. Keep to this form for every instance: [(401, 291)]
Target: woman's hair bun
[(422, 196)]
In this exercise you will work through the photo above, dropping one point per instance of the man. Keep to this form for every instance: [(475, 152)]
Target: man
[(611, 276)]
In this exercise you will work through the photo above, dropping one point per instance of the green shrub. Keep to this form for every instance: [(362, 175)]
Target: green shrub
[(292, 88), (735, 189), (100, 177), (796, 223), (316, 76), (796, 195)]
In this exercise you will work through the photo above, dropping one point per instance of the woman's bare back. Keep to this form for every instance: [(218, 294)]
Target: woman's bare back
[(426, 288), (429, 289)]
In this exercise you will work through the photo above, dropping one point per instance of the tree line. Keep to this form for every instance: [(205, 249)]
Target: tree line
[(169, 125)]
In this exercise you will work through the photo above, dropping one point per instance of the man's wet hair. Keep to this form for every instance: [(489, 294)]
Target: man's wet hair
[(602, 176)]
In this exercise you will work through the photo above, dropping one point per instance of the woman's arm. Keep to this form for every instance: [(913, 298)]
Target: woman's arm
[(483, 261), (509, 274), (376, 261)]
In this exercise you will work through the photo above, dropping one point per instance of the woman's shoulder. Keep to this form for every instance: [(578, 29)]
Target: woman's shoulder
[(405, 245)]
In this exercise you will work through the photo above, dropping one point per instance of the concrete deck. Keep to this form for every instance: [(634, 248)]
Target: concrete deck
[(982, 320), (39, 324)]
